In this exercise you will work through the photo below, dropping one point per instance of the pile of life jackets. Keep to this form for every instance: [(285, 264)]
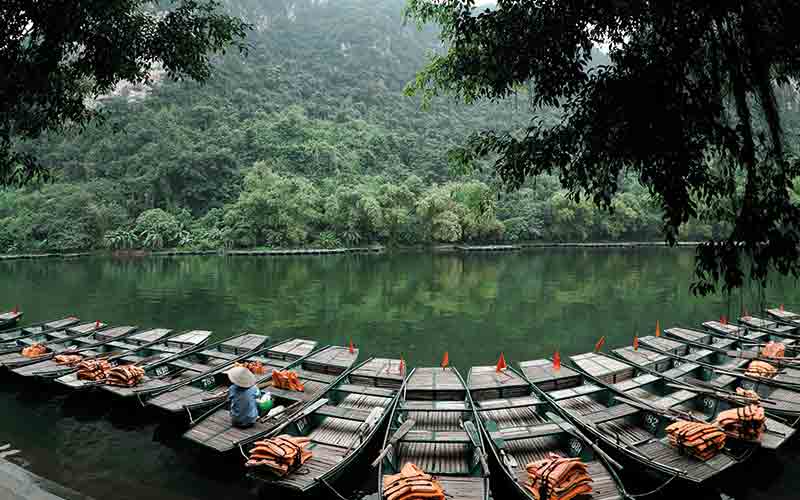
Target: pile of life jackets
[(760, 369), (773, 350), (698, 439), (746, 422), (256, 367), (280, 454), (748, 393), (558, 478), (412, 484), (68, 359), (288, 380), (34, 351), (93, 369), (125, 375)]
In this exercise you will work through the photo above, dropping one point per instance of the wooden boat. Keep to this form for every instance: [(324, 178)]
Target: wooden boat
[(773, 327), (119, 346), (163, 371), (719, 372), (317, 371), (340, 425), (784, 316), (751, 342), (434, 426), (208, 390), (740, 352), (8, 338), (89, 346), (521, 427), (662, 384), (632, 431), (56, 342), (10, 319), (150, 347), (43, 335), (195, 364)]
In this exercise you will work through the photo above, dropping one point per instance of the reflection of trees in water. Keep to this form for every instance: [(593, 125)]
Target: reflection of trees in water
[(527, 304)]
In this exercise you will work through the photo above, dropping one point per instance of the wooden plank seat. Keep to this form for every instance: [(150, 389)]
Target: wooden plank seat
[(363, 389), (675, 399), (521, 402), (191, 366), (527, 432), (613, 413), (436, 421), (424, 436), (353, 414), (513, 417), (541, 373), (434, 406), (583, 390)]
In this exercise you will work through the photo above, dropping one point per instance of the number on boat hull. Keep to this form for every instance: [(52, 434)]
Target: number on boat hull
[(575, 447), (651, 421)]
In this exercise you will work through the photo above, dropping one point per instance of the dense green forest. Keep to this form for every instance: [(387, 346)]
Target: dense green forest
[(308, 141)]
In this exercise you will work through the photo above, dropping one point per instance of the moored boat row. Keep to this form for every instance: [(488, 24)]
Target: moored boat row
[(455, 431)]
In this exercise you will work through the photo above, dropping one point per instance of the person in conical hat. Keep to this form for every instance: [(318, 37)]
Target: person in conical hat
[(243, 395)]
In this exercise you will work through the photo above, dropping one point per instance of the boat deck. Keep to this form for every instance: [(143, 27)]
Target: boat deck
[(485, 382), (332, 359), (541, 373), (292, 350), (215, 430), (435, 384)]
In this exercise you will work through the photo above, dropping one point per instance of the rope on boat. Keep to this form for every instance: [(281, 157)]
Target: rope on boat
[(648, 493), (333, 490)]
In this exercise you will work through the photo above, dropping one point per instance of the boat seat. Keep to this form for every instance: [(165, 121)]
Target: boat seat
[(674, 399), (423, 436), (354, 414), (195, 367), (534, 431), (292, 395), (613, 413), (369, 391), (434, 406), (496, 404)]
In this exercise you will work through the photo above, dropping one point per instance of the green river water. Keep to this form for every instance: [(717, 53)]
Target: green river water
[(420, 305)]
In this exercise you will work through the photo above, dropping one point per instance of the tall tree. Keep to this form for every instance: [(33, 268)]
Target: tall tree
[(56, 56), (687, 104)]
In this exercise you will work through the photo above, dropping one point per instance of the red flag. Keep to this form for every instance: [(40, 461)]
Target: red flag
[(723, 320), (658, 329), (635, 342), (781, 308), (445, 360), (599, 344), (16, 309), (97, 324), (402, 365), (352, 347), (556, 361), (501, 363)]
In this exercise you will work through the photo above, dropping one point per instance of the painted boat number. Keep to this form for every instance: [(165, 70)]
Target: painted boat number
[(162, 370), (651, 421), (207, 382), (301, 424)]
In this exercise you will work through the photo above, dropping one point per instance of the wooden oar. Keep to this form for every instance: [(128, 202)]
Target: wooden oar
[(472, 432), (394, 439)]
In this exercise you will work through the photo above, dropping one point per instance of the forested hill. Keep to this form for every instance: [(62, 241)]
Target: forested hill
[(308, 140)]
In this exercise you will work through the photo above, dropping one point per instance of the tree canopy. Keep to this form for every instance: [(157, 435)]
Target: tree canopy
[(687, 104), (57, 57)]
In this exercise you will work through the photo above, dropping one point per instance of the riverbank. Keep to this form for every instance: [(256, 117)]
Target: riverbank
[(17, 483), (353, 250)]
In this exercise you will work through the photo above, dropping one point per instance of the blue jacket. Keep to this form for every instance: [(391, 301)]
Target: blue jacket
[(243, 408)]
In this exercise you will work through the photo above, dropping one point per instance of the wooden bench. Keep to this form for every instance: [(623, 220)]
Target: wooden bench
[(448, 437), (434, 406), (366, 390), (353, 414), (517, 433)]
